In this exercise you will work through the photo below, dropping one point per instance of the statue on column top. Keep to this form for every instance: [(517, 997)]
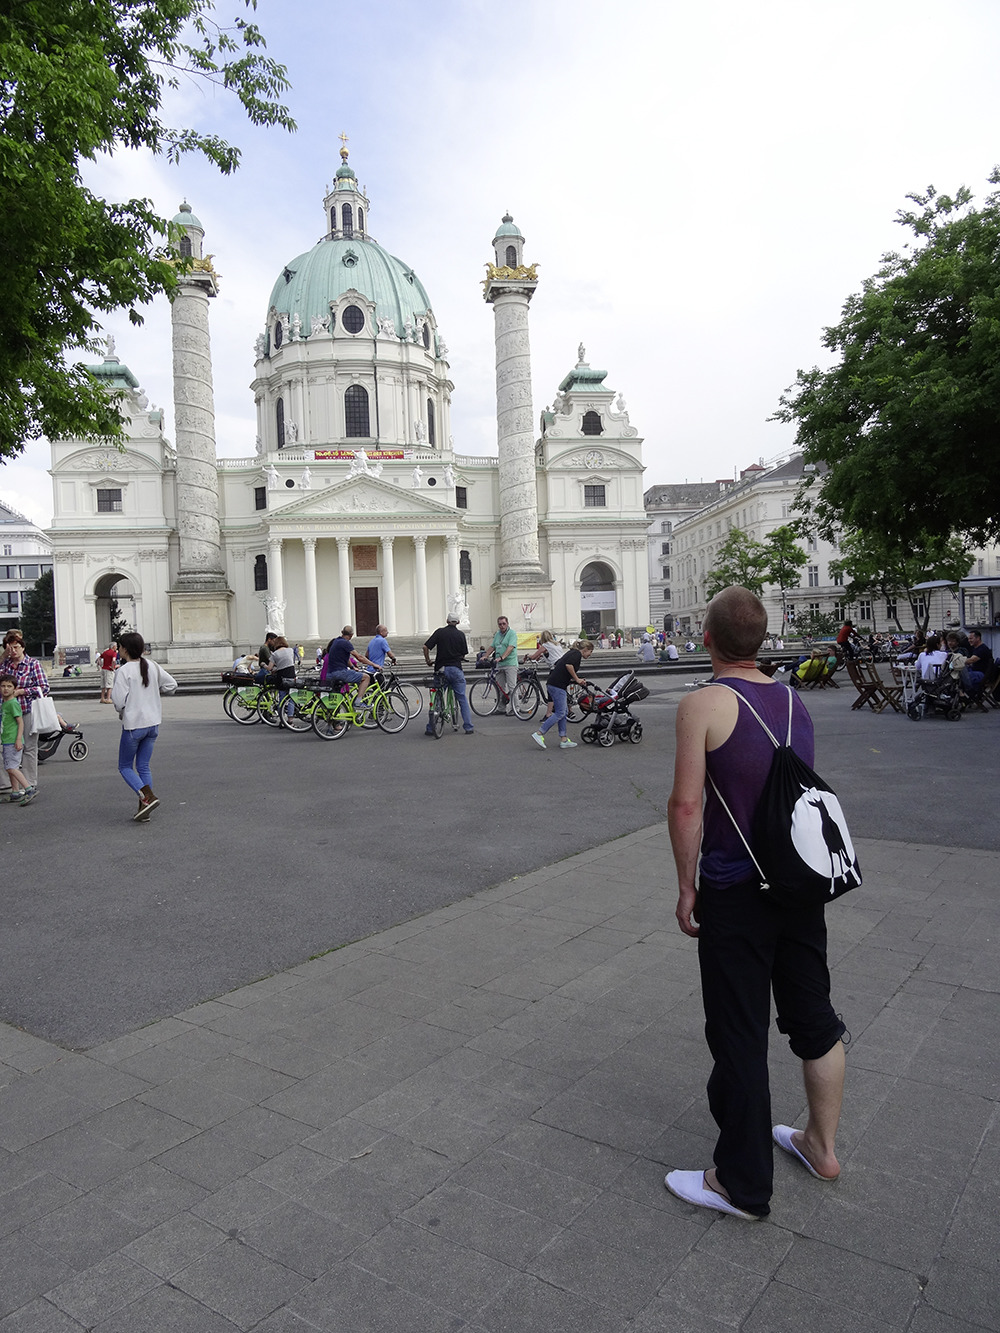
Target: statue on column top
[(271, 473), (418, 477)]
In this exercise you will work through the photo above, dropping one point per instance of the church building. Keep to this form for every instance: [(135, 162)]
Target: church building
[(354, 505)]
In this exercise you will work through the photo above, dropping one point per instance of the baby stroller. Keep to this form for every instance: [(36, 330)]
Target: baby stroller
[(50, 741), (938, 695), (612, 720)]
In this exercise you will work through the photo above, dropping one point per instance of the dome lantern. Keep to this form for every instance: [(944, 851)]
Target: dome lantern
[(346, 204), (508, 244)]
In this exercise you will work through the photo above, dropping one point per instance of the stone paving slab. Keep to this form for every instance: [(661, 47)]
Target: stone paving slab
[(462, 1124)]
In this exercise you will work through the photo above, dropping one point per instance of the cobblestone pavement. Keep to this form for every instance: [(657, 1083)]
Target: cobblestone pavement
[(462, 1123)]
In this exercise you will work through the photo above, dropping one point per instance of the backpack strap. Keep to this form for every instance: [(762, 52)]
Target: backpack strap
[(773, 739)]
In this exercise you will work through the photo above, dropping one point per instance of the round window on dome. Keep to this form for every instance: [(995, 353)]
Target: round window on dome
[(290, 483), (353, 319)]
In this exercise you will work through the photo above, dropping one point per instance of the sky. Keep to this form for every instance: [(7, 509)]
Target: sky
[(702, 184)]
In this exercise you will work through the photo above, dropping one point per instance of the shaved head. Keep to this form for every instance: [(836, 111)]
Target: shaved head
[(736, 622)]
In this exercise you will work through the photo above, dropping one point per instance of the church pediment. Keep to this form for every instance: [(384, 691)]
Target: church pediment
[(106, 460), (362, 495), (594, 458)]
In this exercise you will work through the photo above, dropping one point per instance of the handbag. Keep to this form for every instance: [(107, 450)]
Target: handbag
[(43, 716)]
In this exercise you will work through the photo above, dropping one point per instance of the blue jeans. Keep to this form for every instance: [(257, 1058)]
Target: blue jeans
[(135, 750), (561, 705), (454, 677)]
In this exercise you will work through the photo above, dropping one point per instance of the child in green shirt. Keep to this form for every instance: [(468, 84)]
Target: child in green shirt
[(12, 741)]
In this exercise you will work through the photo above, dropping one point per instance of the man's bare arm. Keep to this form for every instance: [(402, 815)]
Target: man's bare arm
[(684, 808)]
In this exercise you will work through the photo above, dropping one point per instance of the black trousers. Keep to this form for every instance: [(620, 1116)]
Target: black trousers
[(748, 949)]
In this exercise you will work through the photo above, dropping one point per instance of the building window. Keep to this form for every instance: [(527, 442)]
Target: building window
[(666, 526), (361, 219), (666, 594), (30, 572), (431, 428), (260, 574), (666, 571), (279, 421), (838, 580), (8, 550), (512, 256), (840, 610), (592, 423), (594, 497), (347, 220), (865, 610), (108, 502), (260, 497), (980, 567), (353, 319), (921, 609), (461, 497), (186, 247), (664, 548), (356, 412), (464, 568), (891, 610), (333, 220), (790, 613), (813, 574), (425, 334), (814, 608), (8, 601), (812, 544), (279, 333)]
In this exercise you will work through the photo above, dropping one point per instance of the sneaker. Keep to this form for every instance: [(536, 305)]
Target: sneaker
[(538, 738), (428, 731), (567, 744), (143, 813), (28, 796), (470, 731)]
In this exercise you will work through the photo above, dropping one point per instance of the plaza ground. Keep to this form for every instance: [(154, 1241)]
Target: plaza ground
[(396, 1033)]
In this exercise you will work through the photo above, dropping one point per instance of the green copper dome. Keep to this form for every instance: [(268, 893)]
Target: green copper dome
[(185, 218), (307, 285), (345, 173), (508, 227)]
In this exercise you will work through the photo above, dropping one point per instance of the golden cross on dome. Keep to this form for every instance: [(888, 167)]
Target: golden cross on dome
[(343, 151)]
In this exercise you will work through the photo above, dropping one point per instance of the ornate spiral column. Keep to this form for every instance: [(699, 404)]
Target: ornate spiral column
[(388, 585)]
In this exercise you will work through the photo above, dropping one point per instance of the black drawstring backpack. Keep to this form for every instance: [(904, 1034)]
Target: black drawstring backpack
[(800, 842)]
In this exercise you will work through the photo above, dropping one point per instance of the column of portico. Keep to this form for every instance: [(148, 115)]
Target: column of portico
[(312, 602), (420, 551), (275, 574), (454, 587), (343, 570), (388, 585)]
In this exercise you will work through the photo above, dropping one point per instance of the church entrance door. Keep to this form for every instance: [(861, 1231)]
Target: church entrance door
[(365, 610)]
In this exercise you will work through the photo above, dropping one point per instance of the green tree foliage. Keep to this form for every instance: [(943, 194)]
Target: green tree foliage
[(885, 565), (740, 559), (904, 426), (816, 625), (785, 558), (79, 78), (38, 615)]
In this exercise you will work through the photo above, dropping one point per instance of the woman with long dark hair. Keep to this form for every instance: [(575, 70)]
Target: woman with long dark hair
[(136, 691)]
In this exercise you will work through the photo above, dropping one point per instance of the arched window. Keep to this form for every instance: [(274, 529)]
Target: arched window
[(361, 220), (347, 220), (464, 568), (279, 420), (592, 423), (426, 335), (260, 574), (356, 412), (512, 256), (279, 332), (333, 220), (186, 248), (431, 427)]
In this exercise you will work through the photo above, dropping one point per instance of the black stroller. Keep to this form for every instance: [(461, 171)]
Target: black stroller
[(940, 695), (50, 741), (612, 720)]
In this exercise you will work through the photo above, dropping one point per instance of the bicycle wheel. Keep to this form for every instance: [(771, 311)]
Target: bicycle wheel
[(330, 720), (366, 709), (411, 693), (243, 707), (268, 707), (297, 712), (525, 699), (574, 713), (392, 712), (227, 699), (437, 714), (484, 698)]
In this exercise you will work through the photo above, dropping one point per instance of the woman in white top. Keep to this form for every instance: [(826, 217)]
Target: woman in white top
[(136, 695), (552, 652), (931, 658)]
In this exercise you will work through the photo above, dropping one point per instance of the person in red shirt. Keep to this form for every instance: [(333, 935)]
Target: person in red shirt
[(845, 632), (107, 661)]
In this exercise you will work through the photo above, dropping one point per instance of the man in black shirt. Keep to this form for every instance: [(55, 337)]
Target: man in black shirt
[(977, 662), (451, 651)]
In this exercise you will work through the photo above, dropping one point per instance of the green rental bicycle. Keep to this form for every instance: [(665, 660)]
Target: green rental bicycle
[(443, 706)]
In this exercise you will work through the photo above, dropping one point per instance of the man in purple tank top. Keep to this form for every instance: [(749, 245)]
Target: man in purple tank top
[(748, 948)]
